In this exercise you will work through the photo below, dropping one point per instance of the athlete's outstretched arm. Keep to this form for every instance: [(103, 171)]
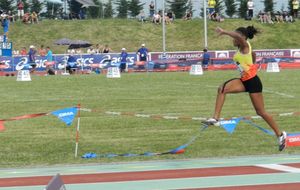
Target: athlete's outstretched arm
[(235, 35)]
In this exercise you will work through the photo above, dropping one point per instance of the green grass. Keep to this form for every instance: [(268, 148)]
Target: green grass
[(47, 141), (180, 36)]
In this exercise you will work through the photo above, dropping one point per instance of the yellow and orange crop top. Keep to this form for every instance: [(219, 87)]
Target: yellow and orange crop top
[(245, 64)]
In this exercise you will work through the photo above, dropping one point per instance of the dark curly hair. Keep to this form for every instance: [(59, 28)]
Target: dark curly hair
[(249, 31)]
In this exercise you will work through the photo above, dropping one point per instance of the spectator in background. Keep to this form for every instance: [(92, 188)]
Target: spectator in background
[(287, 17), (49, 55), (11, 16), (71, 64), (71, 51), (171, 16), (78, 51), (206, 58), (217, 17), (26, 18), (15, 52), (142, 16), (34, 18), (42, 51), (250, 7), (31, 58), (278, 17), (20, 6), (90, 50), (156, 18), (123, 61), (106, 49), (97, 49), (82, 14), (265, 17), (49, 63), (295, 4), (151, 9), (142, 53), (188, 15), (211, 7), (23, 51), (269, 18)]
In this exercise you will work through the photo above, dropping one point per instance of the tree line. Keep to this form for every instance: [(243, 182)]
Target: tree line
[(128, 8)]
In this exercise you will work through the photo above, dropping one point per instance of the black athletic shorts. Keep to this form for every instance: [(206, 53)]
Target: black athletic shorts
[(253, 85)]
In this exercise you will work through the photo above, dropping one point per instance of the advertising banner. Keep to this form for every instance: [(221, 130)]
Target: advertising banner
[(84, 61), (273, 53), (159, 61)]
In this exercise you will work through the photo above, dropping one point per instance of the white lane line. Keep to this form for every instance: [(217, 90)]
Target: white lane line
[(279, 93), (170, 117), (279, 167), (142, 115), (286, 114), (113, 113), (211, 86)]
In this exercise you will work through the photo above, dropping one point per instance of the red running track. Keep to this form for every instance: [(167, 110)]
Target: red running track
[(137, 176)]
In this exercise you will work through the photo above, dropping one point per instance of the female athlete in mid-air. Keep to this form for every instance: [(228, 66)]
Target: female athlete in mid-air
[(248, 82)]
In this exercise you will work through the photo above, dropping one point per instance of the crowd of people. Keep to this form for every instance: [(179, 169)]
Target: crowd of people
[(156, 17), (274, 17), (27, 18), (263, 17), (277, 17)]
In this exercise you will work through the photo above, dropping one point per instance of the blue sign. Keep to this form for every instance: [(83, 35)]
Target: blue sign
[(6, 49)]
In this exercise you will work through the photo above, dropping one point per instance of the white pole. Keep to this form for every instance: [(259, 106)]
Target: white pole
[(77, 131), (163, 27), (205, 24)]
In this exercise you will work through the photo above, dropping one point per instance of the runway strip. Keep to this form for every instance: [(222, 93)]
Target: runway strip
[(245, 173)]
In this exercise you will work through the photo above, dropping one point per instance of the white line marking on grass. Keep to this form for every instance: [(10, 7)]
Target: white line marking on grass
[(211, 86), (256, 117), (279, 93), (286, 114), (198, 118), (280, 168), (86, 109), (142, 115), (170, 117), (113, 113)]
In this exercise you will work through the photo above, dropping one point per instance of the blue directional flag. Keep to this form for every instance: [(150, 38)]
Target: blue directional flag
[(66, 115), (230, 125)]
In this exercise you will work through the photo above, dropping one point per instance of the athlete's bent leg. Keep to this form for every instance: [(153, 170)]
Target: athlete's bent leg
[(231, 86)]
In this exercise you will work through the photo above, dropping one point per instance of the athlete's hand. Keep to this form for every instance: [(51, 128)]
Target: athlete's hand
[(219, 31)]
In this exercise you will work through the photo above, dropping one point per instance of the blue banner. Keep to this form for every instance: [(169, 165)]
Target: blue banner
[(6, 49), (66, 115), (85, 61)]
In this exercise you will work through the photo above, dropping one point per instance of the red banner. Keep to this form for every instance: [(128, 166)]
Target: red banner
[(293, 140)]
